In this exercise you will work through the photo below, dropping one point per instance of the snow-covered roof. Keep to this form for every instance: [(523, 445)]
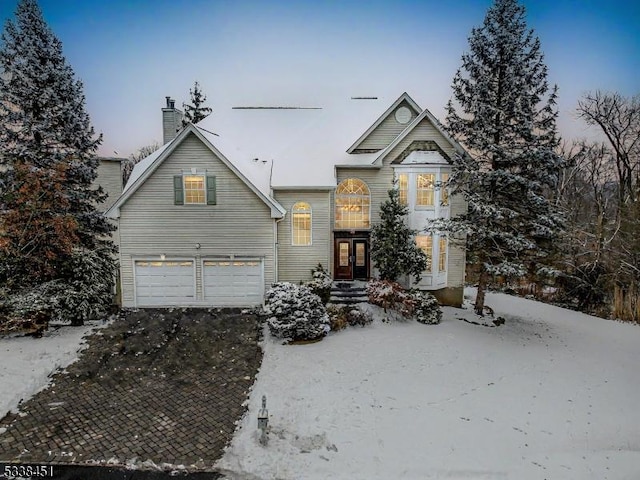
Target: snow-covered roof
[(304, 145)]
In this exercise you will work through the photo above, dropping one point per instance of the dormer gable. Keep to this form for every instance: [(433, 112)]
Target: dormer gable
[(387, 127)]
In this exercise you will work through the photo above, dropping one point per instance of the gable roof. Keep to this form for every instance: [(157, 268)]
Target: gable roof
[(402, 98), (416, 121), (145, 168)]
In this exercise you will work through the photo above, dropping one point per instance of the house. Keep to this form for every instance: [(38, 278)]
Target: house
[(256, 195)]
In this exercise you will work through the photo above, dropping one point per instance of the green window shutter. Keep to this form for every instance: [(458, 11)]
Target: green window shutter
[(178, 192), (211, 190)]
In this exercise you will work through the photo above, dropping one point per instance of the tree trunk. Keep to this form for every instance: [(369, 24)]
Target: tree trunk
[(482, 286)]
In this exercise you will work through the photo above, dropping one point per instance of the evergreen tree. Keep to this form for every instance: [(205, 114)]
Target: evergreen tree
[(48, 150), (195, 111), (393, 246), (504, 115)]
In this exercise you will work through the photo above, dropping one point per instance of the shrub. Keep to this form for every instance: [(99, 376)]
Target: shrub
[(390, 295), (341, 317), (413, 303), (321, 283), (86, 291), (426, 308), (295, 312)]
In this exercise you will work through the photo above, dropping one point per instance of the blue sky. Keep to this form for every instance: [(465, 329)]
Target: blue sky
[(131, 54)]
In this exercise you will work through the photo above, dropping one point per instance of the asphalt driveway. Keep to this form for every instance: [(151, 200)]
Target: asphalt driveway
[(161, 386)]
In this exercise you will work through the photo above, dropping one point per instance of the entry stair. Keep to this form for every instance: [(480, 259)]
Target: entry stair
[(348, 292)]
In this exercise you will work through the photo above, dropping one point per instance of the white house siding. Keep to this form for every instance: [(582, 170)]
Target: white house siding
[(150, 224), (296, 262), (387, 131)]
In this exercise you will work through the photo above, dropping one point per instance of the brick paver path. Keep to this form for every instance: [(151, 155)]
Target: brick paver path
[(157, 384)]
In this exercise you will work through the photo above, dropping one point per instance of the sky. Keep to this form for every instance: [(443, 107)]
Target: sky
[(131, 54)]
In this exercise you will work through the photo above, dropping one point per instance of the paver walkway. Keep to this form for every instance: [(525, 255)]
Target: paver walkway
[(160, 385)]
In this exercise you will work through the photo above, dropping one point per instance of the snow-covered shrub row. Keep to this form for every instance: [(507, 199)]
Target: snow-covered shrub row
[(341, 317), (321, 283), (294, 312), (408, 303)]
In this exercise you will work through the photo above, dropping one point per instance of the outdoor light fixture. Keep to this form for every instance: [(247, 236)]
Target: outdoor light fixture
[(162, 256), (198, 246), (263, 421)]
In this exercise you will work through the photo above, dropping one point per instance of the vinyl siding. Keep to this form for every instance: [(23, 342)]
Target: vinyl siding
[(110, 179), (423, 131), (296, 262), (387, 131), (150, 224)]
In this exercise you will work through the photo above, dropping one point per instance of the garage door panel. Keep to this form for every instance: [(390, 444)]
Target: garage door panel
[(233, 283), (165, 282)]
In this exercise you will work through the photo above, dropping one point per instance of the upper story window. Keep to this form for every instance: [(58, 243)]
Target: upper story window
[(403, 188), (425, 191), (194, 189), (301, 224), (352, 205), (444, 191)]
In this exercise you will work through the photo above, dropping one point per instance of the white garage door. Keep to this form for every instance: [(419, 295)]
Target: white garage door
[(233, 283), (164, 283)]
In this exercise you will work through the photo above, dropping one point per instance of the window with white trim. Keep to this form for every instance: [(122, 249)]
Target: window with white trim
[(425, 191), (444, 191), (425, 243), (194, 189), (352, 205), (301, 224), (403, 188), (442, 254)]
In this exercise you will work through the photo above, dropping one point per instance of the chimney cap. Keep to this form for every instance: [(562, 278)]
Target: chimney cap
[(171, 103)]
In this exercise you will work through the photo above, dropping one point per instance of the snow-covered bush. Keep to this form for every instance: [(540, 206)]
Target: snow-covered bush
[(390, 296), (321, 283), (341, 317), (86, 291), (295, 312), (407, 303), (426, 308)]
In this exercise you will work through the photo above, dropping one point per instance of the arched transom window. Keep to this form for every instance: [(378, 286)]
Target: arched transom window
[(353, 205), (301, 224)]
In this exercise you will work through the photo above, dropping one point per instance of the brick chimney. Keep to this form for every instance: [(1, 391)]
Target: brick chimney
[(171, 121)]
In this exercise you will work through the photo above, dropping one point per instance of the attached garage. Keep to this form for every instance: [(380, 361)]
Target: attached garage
[(165, 283), (233, 283)]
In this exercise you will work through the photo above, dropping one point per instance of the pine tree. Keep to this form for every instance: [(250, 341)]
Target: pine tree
[(48, 154), (195, 111), (504, 115), (393, 246)]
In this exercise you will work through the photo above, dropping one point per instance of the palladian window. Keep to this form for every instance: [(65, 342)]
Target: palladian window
[(301, 224), (353, 205)]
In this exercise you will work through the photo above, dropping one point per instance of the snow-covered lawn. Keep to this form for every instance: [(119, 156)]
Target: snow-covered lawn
[(552, 394), (26, 362)]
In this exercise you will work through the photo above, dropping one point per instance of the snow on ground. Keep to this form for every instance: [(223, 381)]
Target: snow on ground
[(552, 394), (27, 362)]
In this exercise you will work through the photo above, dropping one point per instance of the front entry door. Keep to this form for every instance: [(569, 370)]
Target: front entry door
[(343, 269), (351, 259), (360, 256)]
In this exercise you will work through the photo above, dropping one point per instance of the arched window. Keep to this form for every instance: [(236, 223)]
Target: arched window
[(301, 224), (353, 205)]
